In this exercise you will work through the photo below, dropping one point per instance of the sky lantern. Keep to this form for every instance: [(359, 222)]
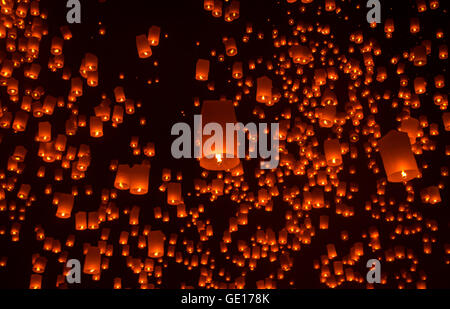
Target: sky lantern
[(92, 261), (264, 90), (143, 46), (218, 157), (202, 70), (35, 281), (301, 54), (174, 193), (332, 150), (96, 126), (230, 47), (139, 179), (398, 159), (153, 35), (446, 120), (156, 241), (65, 206), (123, 177), (81, 221)]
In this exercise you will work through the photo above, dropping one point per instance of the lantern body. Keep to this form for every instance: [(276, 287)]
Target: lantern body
[(333, 154), (122, 181), (153, 35), (398, 158), (174, 193), (219, 157), (65, 206), (92, 261), (202, 70), (446, 120), (143, 46), (156, 244), (139, 179), (264, 90)]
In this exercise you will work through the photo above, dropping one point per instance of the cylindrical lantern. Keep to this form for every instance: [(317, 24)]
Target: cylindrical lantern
[(333, 153), (156, 241), (139, 179), (263, 89), (398, 158), (215, 156), (92, 261), (202, 70), (153, 35), (123, 177), (174, 193), (143, 46)]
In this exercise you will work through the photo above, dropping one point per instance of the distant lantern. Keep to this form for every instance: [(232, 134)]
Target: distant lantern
[(446, 120), (218, 157), (44, 132), (230, 47), (174, 196), (96, 126), (92, 261), (398, 158), (327, 116), (35, 282), (301, 54), (208, 5), (202, 70), (333, 154), (80, 221), (237, 70), (264, 90), (143, 46), (153, 35), (156, 241), (139, 179), (420, 55), (123, 177), (65, 206), (420, 85)]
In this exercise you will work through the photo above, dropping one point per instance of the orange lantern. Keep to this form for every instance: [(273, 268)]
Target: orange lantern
[(156, 241), (332, 150), (398, 158), (153, 35), (202, 70), (92, 261), (143, 46), (219, 157), (139, 179)]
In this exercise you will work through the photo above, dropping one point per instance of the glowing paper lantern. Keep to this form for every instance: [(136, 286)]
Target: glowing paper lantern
[(202, 70), (174, 193), (398, 159), (143, 46), (153, 35), (333, 154), (139, 179), (156, 241), (92, 261), (264, 90), (123, 177), (65, 206), (215, 158)]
